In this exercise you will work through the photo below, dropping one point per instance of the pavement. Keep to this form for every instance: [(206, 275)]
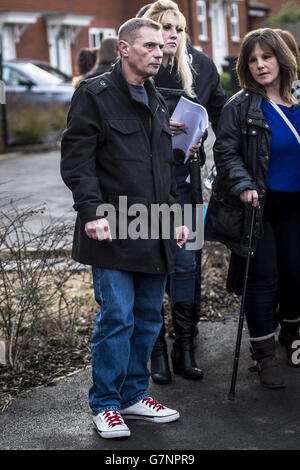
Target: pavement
[(59, 418)]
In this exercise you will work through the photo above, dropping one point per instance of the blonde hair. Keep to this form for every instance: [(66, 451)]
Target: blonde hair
[(157, 12)]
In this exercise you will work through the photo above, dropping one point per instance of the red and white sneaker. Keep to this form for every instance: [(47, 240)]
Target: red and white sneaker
[(110, 424), (150, 410)]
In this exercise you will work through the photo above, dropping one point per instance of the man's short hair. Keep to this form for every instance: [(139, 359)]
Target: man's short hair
[(129, 30)]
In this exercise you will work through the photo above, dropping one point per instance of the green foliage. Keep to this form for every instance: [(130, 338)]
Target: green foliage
[(289, 13), (226, 82)]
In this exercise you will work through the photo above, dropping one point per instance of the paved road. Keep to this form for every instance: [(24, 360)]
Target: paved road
[(36, 180)]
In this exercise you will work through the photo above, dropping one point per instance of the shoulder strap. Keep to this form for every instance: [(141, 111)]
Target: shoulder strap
[(296, 134)]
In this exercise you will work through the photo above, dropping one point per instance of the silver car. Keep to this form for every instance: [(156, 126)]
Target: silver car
[(29, 82), (37, 101)]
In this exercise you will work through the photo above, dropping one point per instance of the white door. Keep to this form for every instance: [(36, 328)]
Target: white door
[(63, 51), (219, 33)]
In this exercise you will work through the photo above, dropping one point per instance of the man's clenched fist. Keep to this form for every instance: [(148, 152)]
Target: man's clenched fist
[(98, 230)]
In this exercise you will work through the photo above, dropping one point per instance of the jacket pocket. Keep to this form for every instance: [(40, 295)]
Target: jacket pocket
[(124, 126), (126, 140), (224, 218)]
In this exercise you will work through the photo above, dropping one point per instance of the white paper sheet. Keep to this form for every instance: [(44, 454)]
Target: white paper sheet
[(195, 117)]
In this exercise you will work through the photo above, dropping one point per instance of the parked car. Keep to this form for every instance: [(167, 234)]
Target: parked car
[(29, 82), (37, 101), (56, 72)]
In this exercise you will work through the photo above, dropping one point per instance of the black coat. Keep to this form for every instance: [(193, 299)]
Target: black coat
[(209, 91), (115, 145), (241, 152), (206, 84), (102, 68)]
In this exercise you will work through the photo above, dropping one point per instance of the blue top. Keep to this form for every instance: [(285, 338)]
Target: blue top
[(141, 92), (284, 168)]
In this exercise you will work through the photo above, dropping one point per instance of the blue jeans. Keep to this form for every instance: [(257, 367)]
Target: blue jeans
[(126, 329), (183, 281)]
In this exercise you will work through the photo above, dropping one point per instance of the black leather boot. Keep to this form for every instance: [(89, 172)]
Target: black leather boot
[(263, 352), (160, 369), (289, 333), (184, 320)]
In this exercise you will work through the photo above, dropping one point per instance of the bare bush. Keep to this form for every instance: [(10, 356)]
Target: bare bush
[(35, 269)]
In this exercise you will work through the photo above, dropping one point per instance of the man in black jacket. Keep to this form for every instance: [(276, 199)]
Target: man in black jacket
[(117, 158)]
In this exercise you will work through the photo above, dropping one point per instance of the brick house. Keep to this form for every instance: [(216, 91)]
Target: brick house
[(55, 30)]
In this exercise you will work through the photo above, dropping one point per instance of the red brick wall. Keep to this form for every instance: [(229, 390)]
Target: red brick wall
[(110, 14), (234, 47), (107, 14), (33, 42), (274, 5)]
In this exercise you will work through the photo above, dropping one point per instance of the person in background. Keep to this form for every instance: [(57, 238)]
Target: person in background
[(106, 55), (257, 159), (189, 73), (291, 43), (85, 62), (118, 144)]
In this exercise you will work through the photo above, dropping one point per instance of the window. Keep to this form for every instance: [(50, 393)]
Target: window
[(62, 50), (97, 34), (59, 39), (234, 22), (12, 77), (202, 19)]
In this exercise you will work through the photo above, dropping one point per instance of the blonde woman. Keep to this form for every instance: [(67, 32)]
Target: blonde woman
[(189, 73)]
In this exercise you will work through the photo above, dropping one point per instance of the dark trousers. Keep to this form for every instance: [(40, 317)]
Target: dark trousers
[(274, 273)]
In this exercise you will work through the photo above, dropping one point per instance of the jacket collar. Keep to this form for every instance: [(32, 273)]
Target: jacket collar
[(120, 80), (255, 109)]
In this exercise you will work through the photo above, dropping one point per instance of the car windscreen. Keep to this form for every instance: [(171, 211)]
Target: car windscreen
[(57, 73), (38, 75)]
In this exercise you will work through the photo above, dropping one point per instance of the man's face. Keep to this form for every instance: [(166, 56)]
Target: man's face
[(144, 56)]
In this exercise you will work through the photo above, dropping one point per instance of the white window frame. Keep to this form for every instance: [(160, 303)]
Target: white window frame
[(97, 34), (62, 31), (202, 19), (60, 48), (12, 26), (8, 42), (234, 22)]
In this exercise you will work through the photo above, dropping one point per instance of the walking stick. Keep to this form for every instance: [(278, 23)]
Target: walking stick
[(231, 394)]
